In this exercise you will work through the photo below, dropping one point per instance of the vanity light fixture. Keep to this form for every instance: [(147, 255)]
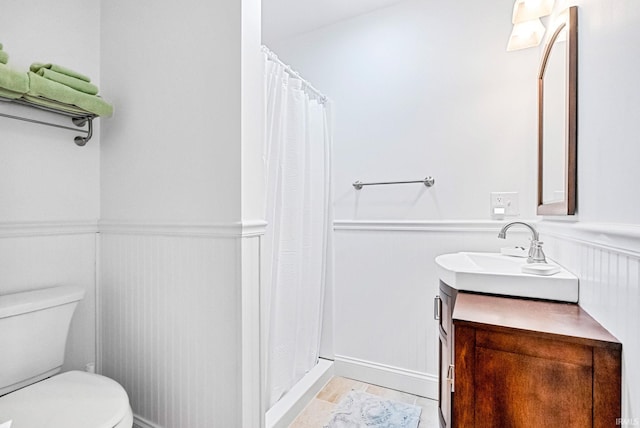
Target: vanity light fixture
[(526, 10), (528, 31), (526, 35)]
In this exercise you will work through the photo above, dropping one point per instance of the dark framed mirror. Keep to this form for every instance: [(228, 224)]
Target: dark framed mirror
[(557, 118)]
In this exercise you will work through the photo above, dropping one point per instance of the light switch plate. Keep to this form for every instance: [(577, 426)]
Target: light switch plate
[(504, 204)]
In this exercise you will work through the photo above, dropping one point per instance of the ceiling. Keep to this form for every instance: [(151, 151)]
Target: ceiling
[(285, 18)]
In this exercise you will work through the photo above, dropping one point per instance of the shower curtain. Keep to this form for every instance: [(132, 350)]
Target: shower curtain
[(297, 242)]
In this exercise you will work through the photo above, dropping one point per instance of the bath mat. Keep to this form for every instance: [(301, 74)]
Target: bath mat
[(361, 410)]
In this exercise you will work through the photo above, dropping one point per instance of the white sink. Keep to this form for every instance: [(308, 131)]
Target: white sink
[(494, 273)]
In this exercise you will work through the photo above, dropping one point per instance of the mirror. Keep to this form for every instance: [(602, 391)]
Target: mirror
[(557, 118)]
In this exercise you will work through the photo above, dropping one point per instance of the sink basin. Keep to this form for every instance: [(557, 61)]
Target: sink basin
[(495, 273)]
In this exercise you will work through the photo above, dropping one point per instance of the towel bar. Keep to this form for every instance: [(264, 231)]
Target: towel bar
[(428, 182)]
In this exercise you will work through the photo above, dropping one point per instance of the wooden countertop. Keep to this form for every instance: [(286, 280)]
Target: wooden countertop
[(536, 317)]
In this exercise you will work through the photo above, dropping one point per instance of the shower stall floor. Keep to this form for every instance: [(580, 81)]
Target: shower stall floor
[(318, 411)]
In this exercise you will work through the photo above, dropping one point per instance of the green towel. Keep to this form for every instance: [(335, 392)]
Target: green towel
[(72, 82), (41, 87), (45, 102), (36, 66), (12, 95), (4, 57), (13, 80)]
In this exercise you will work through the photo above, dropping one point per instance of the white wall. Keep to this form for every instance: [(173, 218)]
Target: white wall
[(49, 187), (608, 111), (419, 88), (600, 245), (410, 85), (180, 174), (173, 148)]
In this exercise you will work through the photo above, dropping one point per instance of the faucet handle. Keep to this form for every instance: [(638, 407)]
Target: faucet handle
[(536, 254)]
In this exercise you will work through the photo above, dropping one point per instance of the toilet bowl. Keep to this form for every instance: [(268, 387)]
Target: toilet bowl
[(69, 400)]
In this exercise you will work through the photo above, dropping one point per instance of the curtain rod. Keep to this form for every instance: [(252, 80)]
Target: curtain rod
[(273, 57)]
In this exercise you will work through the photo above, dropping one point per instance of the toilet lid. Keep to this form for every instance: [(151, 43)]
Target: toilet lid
[(69, 400)]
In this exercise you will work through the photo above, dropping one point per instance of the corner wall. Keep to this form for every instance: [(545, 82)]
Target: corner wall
[(49, 187), (179, 263)]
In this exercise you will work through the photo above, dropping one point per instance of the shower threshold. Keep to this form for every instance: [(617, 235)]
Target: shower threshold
[(281, 414)]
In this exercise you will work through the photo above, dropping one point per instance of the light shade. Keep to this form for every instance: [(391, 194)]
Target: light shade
[(526, 35), (526, 10)]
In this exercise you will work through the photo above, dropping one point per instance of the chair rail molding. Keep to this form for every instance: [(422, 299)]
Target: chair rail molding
[(423, 225), (247, 228), (10, 229), (620, 238)]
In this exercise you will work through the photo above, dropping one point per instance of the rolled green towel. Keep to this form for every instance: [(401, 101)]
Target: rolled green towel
[(41, 87), (36, 66), (13, 80), (72, 82), (12, 95), (4, 57)]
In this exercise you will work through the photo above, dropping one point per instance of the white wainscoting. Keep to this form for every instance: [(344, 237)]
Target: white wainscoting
[(606, 258), (43, 254), (175, 317), (385, 282)]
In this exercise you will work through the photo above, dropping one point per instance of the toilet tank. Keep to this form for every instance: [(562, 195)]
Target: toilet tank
[(33, 334)]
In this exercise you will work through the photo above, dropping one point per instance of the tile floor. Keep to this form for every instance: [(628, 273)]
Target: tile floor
[(318, 411)]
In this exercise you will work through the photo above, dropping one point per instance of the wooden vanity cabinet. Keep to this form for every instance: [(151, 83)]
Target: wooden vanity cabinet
[(525, 363)]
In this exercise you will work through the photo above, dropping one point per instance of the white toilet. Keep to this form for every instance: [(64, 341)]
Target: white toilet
[(33, 335)]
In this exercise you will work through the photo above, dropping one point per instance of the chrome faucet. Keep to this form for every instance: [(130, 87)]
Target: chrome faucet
[(536, 255)]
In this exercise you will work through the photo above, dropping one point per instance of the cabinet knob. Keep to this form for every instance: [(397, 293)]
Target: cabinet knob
[(437, 308)]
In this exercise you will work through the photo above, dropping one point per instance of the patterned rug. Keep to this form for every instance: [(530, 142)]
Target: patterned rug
[(361, 410)]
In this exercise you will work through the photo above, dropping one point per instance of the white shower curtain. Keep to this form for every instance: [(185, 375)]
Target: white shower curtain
[(299, 216)]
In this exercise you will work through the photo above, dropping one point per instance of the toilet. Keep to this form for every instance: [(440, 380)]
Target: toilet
[(33, 394)]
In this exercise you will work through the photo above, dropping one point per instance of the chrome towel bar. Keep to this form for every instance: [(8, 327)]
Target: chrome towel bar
[(428, 182)]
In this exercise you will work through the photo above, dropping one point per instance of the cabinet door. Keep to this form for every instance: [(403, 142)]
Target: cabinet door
[(520, 381), (447, 296), (444, 393), (514, 390)]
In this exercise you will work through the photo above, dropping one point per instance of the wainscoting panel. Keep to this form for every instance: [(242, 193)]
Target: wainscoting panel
[(385, 283), (170, 326), (606, 258)]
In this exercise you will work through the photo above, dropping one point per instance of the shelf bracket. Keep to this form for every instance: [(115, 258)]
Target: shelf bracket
[(81, 121)]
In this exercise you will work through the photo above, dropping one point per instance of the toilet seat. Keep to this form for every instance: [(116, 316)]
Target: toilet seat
[(69, 400)]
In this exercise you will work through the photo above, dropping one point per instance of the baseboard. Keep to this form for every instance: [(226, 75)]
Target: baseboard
[(282, 414), (410, 381), (140, 422)]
